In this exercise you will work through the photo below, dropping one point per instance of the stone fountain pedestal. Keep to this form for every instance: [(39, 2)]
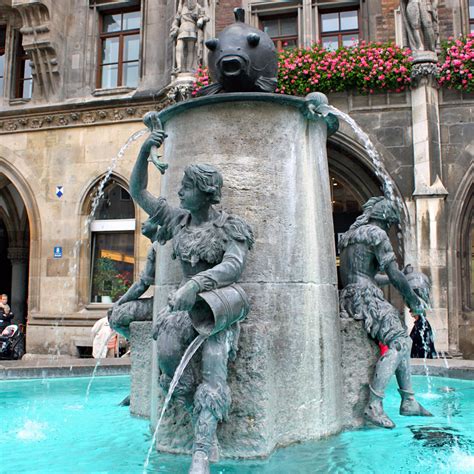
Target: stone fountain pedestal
[(286, 381)]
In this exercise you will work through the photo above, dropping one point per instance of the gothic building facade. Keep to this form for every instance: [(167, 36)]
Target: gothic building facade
[(76, 77)]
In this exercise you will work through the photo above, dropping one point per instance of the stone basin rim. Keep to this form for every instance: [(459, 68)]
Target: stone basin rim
[(298, 102)]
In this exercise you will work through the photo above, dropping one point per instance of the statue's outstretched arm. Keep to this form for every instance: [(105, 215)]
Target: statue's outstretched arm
[(382, 280), (147, 278), (133, 293), (139, 177), (399, 281)]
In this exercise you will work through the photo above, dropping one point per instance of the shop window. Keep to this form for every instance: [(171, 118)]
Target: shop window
[(471, 16), (119, 49), (3, 30), (112, 249), (282, 29), (23, 86), (339, 28)]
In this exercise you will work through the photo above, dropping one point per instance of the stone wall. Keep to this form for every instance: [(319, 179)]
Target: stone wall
[(75, 158)]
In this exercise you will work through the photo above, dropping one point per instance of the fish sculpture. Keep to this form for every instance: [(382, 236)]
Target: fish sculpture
[(241, 59)]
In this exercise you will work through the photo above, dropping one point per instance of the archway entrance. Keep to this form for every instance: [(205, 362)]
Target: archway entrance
[(466, 255), (352, 184), (14, 249)]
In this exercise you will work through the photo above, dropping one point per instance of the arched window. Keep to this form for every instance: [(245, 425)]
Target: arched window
[(112, 245)]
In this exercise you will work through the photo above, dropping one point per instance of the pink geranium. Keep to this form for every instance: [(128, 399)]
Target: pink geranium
[(457, 64)]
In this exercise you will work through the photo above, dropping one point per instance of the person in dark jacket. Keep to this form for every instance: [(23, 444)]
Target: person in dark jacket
[(422, 337)]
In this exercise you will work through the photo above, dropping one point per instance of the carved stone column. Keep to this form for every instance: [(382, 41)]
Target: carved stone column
[(41, 39), (18, 257), (429, 220)]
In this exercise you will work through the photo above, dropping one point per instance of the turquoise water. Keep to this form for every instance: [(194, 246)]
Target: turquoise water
[(48, 427)]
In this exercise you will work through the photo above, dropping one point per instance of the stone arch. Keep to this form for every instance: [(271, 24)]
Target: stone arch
[(359, 169), (87, 195), (83, 209), (349, 161), (460, 219), (34, 223)]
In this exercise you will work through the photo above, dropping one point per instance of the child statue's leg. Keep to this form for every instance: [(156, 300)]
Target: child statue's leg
[(385, 368), (211, 401), (409, 406)]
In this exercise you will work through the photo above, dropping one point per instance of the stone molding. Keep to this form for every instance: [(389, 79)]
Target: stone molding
[(18, 254), (78, 118)]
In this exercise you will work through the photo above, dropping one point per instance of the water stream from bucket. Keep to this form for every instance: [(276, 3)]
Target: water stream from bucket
[(190, 351)]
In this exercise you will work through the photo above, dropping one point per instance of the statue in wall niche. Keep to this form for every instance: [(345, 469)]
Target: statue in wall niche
[(420, 18), (241, 59), (365, 251), (212, 247), (188, 32)]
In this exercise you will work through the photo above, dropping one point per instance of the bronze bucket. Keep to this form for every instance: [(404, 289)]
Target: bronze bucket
[(218, 309)]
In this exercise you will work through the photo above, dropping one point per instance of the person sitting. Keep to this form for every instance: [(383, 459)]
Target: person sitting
[(6, 315)]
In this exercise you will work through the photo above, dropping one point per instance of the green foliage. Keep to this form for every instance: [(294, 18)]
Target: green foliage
[(108, 281)]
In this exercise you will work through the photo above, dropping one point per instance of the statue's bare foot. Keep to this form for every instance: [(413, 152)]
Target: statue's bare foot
[(410, 407), (375, 413), (199, 463)]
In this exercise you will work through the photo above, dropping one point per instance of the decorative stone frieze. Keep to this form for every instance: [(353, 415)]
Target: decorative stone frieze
[(78, 118)]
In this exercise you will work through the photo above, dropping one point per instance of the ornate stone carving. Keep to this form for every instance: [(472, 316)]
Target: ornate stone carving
[(39, 42), (424, 70), (188, 32), (179, 92), (78, 118)]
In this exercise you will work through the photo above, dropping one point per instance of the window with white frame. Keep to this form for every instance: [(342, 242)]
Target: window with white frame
[(339, 28), (112, 245)]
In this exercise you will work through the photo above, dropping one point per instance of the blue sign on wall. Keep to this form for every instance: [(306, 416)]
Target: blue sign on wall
[(58, 252)]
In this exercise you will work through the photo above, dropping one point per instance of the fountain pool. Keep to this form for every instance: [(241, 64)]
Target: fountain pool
[(48, 426)]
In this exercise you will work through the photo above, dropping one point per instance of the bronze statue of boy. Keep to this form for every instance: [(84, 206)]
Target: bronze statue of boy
[(212, 247), (365, 251)]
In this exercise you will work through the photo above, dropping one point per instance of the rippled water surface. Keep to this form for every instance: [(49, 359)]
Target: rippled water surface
[(49, 427)]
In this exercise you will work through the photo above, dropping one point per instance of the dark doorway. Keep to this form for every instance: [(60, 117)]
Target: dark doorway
[(5, 264)]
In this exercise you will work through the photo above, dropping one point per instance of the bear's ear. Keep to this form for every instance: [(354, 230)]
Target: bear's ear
[(212, 43), (253, 39)]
